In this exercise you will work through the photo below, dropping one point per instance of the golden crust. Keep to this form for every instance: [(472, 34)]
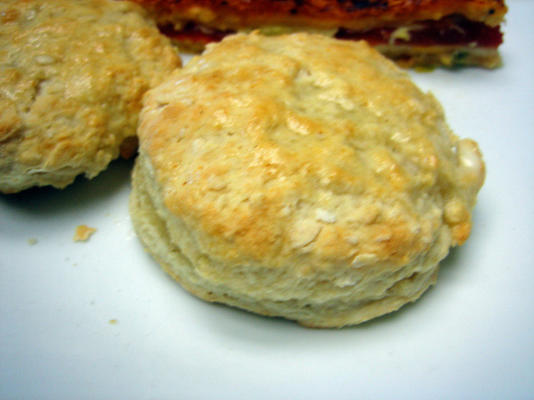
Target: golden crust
[(72, 75), (279, 180), (324, 14)]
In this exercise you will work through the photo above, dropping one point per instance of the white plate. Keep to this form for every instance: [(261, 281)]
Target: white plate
[(471, 336)]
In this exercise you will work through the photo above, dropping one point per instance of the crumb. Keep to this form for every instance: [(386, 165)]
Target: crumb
[(113, 322), (83, 233), (32, 241), (128, 147)]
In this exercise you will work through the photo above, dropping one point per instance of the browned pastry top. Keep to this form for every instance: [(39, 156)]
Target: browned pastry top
[(354, 14)]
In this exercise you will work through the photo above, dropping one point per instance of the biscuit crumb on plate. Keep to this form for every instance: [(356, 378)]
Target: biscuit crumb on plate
[(83, 233)]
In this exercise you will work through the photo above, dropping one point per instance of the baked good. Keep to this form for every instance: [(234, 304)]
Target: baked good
[(300, 176), (415, 33), (72, 75)]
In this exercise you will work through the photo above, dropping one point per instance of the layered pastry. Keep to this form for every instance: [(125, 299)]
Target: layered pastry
[(414, 33)]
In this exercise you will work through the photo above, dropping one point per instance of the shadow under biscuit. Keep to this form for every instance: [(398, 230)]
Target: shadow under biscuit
[(82, 194)]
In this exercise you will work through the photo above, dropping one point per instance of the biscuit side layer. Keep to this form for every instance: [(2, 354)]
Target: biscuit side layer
[(321, 299)]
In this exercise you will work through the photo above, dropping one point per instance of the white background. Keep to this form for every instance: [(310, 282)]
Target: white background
[(470, 337)]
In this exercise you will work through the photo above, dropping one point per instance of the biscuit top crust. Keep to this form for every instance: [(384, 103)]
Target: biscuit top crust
[(301, 147), (325, 14), (72, 75)]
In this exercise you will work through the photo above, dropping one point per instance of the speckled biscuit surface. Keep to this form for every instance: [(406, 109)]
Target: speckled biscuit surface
[(302, 177), (72, 75)]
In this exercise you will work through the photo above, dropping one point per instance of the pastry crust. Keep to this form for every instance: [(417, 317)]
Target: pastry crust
[(72, 75), (302, 177), (324, 14), (455, 33)]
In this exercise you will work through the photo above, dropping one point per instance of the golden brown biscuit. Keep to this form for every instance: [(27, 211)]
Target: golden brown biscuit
[(302, 177), (72, 74)]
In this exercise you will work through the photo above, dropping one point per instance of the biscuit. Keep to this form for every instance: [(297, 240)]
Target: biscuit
[(302, 177), (72, 75)]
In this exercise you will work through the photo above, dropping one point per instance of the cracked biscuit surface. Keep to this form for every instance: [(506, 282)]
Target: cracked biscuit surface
[(302, 177), (72, 75)]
